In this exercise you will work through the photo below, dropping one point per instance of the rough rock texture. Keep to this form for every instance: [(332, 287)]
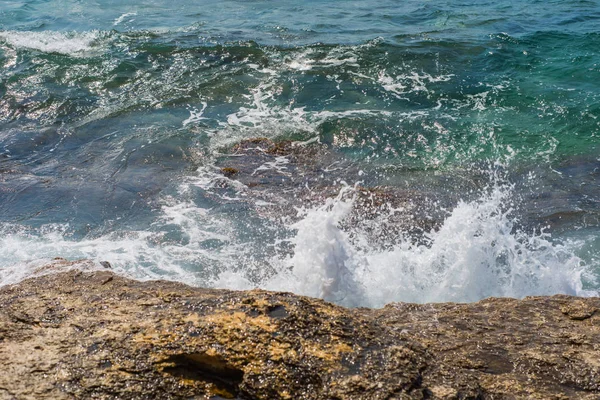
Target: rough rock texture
[(97, 335)]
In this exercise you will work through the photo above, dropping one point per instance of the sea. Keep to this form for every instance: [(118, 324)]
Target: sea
[(364, 152)]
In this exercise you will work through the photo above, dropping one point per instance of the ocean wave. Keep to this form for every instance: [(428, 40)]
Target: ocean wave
[(476, 253), (67, 43)]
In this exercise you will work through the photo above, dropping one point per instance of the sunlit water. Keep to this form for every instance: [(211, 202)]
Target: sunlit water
[(115, 119)]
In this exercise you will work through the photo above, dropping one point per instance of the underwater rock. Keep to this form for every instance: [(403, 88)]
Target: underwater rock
[(95, 334), (261, 163), (290, 175)]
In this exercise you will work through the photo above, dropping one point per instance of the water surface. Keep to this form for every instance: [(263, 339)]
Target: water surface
[(479, 122)]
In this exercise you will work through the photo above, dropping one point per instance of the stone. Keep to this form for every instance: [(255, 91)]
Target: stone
[(80, 334)]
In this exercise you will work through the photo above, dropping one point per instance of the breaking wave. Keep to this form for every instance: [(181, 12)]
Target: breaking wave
[(479, 251), (67, 43)]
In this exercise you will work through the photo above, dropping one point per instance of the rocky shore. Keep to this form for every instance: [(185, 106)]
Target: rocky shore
[(97, 335)]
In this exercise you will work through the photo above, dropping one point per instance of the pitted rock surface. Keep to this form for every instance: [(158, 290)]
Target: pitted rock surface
[(98, 335)]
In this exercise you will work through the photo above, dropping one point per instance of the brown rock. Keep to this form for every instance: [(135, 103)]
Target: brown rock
[(98, 335), (229, 171)]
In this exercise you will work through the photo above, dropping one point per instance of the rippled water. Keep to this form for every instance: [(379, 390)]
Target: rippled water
[(448, 151)]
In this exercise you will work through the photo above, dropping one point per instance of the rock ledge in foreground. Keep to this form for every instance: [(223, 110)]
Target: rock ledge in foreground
[(97, 335)]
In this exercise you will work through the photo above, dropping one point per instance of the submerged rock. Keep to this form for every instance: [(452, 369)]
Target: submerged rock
[(289, 175), (98, 335)]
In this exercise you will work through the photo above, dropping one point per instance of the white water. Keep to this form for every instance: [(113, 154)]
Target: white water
[(477, 253), (264, 115), (474, 255), (68, 43)]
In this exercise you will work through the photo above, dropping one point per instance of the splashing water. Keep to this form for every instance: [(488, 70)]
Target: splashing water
[(74, 44), (478, 252)]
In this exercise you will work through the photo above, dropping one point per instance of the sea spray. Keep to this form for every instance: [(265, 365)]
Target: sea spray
[(478, 252), (324, 263)]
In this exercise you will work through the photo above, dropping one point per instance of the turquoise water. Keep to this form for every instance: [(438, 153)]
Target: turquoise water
[(480, 122)]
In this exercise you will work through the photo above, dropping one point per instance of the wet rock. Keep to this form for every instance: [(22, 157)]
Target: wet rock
[(94, 334), (229, 171), (263, 164), (289, 175)]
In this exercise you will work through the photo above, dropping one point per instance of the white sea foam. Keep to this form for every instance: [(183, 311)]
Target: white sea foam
[(124, 16), (69, 43), (477, 253), (173, 249), (195, 115), (279, 165), (409, 82), (308, 59), (265, 115), (23, 252), (35, 268)]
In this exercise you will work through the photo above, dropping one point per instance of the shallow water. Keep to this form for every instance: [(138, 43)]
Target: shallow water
[(476, 124)]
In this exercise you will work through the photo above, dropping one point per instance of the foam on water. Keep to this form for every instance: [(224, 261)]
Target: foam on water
[(265, 115), (126, 16), (68, 43), (185, 243), (477, 253), (136, 254)]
